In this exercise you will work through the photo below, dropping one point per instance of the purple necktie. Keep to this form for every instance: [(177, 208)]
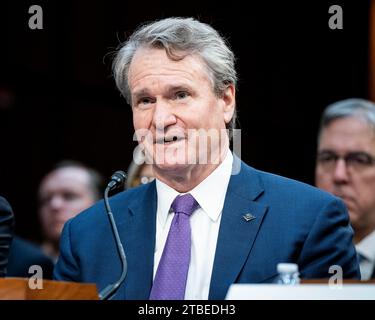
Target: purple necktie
[(171, 275)]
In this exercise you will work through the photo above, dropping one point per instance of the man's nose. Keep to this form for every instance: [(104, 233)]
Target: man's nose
[(56, 202), (163, 115), (340, 174)]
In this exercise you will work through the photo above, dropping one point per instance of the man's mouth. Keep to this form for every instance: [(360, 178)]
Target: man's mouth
[(348, 200), (169, 139)]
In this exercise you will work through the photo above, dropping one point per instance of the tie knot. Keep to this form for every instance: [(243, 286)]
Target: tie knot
[(185, 204)]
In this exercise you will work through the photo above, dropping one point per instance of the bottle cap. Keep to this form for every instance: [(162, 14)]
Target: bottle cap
[(287, 267)]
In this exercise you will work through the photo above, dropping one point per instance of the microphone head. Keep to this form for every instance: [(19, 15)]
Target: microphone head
[(117, 180), (119, 177)]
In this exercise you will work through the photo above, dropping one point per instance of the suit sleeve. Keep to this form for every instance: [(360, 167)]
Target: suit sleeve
[(67, 268), (329, 243), (6, 234)]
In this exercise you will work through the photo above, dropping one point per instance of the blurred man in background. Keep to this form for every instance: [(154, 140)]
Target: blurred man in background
[(346, 167), (68, 189)]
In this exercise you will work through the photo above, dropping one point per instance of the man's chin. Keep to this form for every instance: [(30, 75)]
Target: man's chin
[(171, 166), (354, 217)]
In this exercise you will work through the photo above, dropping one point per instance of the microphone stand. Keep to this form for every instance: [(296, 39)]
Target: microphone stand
[(111, 289)]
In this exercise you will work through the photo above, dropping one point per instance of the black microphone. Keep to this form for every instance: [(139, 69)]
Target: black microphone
[(117, 180)]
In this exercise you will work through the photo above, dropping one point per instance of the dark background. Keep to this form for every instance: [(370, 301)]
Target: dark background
[(58, 100)]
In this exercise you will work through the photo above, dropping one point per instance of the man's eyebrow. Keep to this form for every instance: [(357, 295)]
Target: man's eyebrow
[(353, 152), (326, 151), (169, 90), (140, 93), (180, 87)]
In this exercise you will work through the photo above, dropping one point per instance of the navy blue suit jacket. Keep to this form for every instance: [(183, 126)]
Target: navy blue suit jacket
[(293, 222), (24, 254)]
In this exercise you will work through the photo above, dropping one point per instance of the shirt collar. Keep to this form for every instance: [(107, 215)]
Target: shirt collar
[(366, 247), (215, 184), (166, 195)]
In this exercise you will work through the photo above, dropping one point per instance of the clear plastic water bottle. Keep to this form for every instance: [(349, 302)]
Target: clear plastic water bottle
[(288, 273)]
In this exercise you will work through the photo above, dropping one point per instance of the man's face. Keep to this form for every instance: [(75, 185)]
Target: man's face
[(352, 180), (63, 194), (169, 99)]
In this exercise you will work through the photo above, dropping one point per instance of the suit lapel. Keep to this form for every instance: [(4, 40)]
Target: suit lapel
[(239, 225), (139, 244)]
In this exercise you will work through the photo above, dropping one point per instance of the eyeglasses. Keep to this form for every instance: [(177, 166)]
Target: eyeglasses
[(355, 160)]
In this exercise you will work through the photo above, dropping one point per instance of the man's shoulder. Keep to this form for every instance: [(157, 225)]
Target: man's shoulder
[(23, 254), (290, 200), (27, 247), (274, 185), (119, 204)]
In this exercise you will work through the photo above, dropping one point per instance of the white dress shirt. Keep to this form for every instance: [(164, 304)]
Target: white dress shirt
[(205, 223), (366, 248)]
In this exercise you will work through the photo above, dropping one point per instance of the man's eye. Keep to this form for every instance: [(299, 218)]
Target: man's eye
[(44, 201), (145, 101), (181, 95), (69, 196), (361, 159), (326, 157)]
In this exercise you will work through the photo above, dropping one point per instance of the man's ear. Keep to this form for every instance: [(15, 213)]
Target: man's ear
[(229, 102)]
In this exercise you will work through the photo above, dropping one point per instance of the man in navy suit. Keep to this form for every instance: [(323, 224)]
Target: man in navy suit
[(208, 220)]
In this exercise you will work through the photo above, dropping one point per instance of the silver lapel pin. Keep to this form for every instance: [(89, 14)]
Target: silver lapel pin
[(248, 217)]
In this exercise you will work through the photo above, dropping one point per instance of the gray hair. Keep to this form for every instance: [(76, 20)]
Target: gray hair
[(357, 108), (179, 37)]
